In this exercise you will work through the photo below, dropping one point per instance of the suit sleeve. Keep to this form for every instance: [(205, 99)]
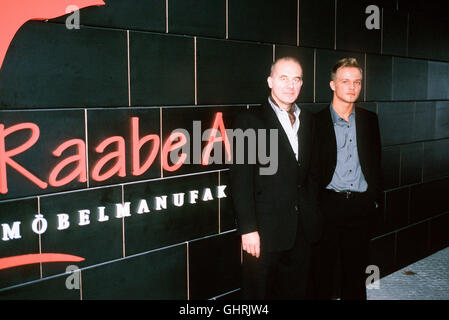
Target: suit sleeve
[(242, 185)]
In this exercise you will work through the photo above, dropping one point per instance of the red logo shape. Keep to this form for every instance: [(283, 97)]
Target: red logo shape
[(15, 261), (15, 13)]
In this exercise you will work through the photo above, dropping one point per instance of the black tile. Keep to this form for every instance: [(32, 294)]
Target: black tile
[(51, 129), (370, 106), (436, 160), (46, 289), (397, 208), (125, 14), (412, 244), (396, 122), (162, 69), (18, 217), (409, 79), (227, 216), (439, 237), (428, 199), (412, 158), (352, 32), (306, 58), (119, 124), (428, 36), (424, 123), (214, 266), (442, 120), (314, 107), (172, 211), (391, 166), (86, 67), (394, 36), (438, 80), (382, 254), (91, 232), (317, 23), (239, 77), (157, 275), (196, 124), (197, 17), (378, 77), (325, 60), (273, 21)]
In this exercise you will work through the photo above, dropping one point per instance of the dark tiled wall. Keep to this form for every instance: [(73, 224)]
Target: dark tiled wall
[(172, 64)]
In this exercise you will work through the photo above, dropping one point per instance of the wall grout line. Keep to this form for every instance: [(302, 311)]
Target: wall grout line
[(123, 224), (129, 69), (166, 16), (382, 32), (86, 145), (219, 204), (297, 23), (335, 25), (188, 269), (195, 71), (227, 20), (39, 236), (160, 144)]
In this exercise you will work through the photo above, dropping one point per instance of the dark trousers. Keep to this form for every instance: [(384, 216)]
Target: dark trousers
[(340, 258), (277, 275)]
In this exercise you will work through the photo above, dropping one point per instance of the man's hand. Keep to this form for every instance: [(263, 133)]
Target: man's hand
[(251, 243)]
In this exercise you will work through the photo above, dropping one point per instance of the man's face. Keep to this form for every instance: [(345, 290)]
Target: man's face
[(285, 82), (347, 84)]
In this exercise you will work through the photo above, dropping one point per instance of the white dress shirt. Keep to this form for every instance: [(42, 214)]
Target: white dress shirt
[(291, 131)]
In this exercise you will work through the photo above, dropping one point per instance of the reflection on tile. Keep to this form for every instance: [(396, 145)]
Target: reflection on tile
[(241, 75), (409, 79), (272, 21), (86, 67), (158, 275), (378, 77), (317, 23), (197, 17), (17, 238), (396, 122), (46, 289), (162, 69), (214, 265), (412, 244)]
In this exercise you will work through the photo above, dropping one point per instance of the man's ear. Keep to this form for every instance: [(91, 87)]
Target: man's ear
[(332, 85), (270, 82)]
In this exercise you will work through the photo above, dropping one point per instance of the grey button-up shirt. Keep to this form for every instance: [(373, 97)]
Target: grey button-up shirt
[(348, 175)]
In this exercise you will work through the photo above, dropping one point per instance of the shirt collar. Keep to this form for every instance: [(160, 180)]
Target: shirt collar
[(336, 117), (277, 109)]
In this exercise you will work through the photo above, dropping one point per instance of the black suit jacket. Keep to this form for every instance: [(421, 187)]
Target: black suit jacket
[(368, 148), (271, 204)]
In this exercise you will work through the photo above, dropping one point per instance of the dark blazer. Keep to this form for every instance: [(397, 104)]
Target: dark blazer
[(368, 148), (271, 204)]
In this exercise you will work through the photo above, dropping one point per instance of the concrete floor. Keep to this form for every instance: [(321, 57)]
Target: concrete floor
[(427, 279)]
